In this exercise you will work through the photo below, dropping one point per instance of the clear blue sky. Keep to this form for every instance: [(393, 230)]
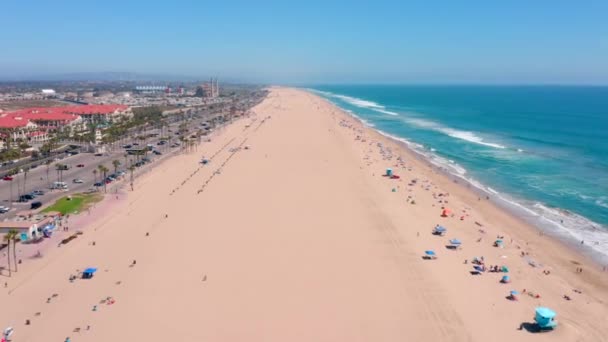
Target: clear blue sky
[(511, 41)]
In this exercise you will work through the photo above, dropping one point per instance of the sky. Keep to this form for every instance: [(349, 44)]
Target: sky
[(298, 42)]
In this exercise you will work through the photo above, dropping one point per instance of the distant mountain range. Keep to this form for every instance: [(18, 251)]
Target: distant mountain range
[(104, 76)]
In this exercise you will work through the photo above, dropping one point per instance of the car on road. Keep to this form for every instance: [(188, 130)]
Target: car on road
[(98, 184), (135, 144), (77, 181), (127, 146), (98, 154), (4, 210), (25, 198), (80, 165), (38, 192), (156, 152), (7, 178), (36, 205)]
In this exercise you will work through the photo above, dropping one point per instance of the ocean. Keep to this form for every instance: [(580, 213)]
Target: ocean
[(541, 151)]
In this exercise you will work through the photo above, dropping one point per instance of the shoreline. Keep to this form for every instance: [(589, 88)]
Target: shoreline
[(510, 206)]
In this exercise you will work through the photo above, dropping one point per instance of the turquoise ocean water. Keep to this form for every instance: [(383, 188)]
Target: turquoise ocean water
[(540, 151)]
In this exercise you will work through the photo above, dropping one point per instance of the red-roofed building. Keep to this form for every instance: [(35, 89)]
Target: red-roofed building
[(19, 124)]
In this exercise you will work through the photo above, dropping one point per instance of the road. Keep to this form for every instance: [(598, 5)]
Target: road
[(39, 179)]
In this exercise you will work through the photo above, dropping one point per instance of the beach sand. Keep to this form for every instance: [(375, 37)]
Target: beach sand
[(291, 233)]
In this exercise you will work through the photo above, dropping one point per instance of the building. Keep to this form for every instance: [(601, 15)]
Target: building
[(208, 90), (99, 113), (34, 124), (150, 89), (31, 226)]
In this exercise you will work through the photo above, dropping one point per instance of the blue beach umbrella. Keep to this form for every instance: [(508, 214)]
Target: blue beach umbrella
[(514, 293), (429, 253), (455, 242)]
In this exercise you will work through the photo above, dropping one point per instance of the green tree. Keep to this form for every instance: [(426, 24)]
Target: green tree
[(25, 171), (48, 166), (7, 239), (116, 164), (13, 236), (94, 175), (103, 171), (60, 168), (131, 168)]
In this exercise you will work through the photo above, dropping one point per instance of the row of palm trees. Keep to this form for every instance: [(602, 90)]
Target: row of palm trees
[(11, 237)]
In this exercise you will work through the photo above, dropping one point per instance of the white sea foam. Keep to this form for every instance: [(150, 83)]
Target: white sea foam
[(563, 224), (384, 111), (358, 102), (454, 133)]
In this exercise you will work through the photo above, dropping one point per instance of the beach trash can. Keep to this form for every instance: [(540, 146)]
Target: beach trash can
[(389, 172)]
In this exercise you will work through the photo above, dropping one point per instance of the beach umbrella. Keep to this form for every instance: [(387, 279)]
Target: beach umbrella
[(440, 229), (455, 242), (429, 253), (504, 269), (505, 279), (514, 293)]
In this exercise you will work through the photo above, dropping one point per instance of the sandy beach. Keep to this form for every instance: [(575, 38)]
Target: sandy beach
[(292, 233)]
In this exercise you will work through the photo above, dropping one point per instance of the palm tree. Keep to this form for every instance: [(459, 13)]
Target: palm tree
[(48, 165), (25, 171), (116, 164), (131, 168), (126, 155), (12, 236), (7, 239), (10, 200), (103, 170), (60, 168), (94, 175)]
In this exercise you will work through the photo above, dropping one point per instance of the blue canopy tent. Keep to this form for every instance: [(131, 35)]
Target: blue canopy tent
[(545, 318), (88, 273), (430, 254), (439, 230)]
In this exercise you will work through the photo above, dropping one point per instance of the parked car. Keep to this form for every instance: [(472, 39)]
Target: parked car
[(77, 181), (38, 192), (156, 152), (98, 154), (80, 165), (98, 184), (25, 198), (127, 146), (36, 205), (4, 210), (7, 178)]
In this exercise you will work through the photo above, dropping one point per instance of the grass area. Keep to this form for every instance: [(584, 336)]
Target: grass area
[(76, 204)]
